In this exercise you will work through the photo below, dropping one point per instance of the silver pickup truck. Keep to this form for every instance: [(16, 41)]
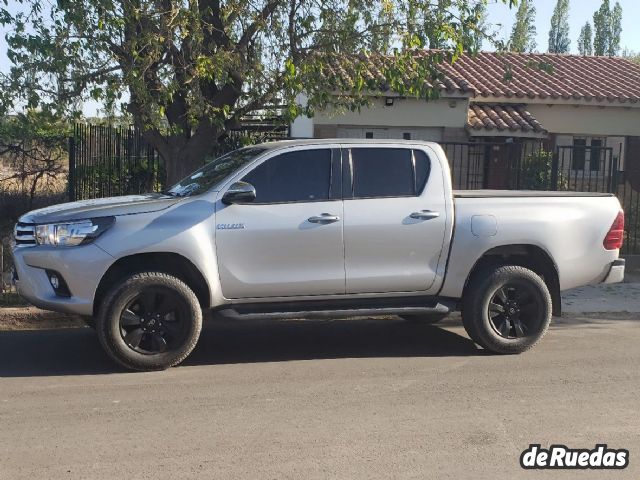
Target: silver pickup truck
[(296, 229)]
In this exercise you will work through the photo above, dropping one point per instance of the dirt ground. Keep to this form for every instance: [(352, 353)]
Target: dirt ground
[(32, 318)]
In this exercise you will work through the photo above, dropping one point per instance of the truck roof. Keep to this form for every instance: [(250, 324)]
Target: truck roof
[(326, 141)]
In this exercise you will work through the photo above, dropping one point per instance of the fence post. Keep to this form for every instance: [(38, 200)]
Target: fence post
[(555, 165), (72, 168)]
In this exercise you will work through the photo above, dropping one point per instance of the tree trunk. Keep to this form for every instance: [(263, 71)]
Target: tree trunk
[(183, 154), (178, 165), (182, 159)]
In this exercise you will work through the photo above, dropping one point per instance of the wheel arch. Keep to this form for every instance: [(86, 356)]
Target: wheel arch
[(164, 262), (528, 256)]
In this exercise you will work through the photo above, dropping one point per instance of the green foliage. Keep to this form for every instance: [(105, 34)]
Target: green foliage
[(631, 56), (559, 32), (607, 24), (187, 72), (523, 34), (115, 177), (616, 30), (536, 172), (475, 31), (24, 128), (584, 40)]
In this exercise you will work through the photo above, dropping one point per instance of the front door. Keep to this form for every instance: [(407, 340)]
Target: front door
[(395, 217), (288, 242)]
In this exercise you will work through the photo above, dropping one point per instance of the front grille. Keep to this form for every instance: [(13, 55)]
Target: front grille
[(25, 234)]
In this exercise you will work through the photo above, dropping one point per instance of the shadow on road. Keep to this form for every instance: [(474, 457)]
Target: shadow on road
[(77, 351)]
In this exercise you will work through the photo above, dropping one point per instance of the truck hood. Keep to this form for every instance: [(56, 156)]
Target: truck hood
[(100, 207)]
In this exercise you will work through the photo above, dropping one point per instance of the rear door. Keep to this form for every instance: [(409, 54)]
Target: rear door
[(288, 242), (394, 219)]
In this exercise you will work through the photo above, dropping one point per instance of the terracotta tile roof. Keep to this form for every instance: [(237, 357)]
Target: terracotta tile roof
[(503, 118), (514, 76), (341, 70)]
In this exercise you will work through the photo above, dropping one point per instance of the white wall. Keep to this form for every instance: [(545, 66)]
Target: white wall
[(302, 127), (594, 121), (408, 112), (432, 134)]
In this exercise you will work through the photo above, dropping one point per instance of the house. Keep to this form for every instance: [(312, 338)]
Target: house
[(584, 109)]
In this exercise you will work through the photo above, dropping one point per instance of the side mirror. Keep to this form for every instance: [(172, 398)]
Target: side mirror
[(239, 192)]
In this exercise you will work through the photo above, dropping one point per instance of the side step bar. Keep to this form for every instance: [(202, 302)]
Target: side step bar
[(233, 313)]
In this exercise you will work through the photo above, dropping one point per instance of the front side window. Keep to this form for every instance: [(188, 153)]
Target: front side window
[(388, 172), (214, 172), (300, 176)]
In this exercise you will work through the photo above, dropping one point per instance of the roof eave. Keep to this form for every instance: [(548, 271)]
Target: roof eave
[(484, 132), (558, 101)]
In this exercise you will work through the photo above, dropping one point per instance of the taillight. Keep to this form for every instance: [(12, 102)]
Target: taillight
[(615, 237)]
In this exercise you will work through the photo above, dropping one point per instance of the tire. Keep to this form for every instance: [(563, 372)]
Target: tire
[(425, 319), (150, 321), (506, 309)]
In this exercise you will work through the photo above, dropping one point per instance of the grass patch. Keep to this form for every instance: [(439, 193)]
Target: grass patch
[(11, 299)]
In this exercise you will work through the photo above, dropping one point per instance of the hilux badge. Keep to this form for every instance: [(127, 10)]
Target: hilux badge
[(230, 226)]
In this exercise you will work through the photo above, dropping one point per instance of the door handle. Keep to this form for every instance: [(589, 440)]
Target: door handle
[(425, 215), (324, 218)]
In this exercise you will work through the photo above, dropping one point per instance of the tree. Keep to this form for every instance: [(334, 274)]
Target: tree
[(33, 146), (474, 32), (584, 40), (631, 55), (607, 24), (616, 30), (187, 71), (559, 32), (523, 33)]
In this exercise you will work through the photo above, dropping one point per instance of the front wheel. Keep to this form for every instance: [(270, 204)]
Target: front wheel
[(150, 321), (506, 309)]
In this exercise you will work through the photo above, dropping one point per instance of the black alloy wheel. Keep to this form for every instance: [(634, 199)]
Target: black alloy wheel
[(149, 321), (514, 310), (506, 308), (154, 321)]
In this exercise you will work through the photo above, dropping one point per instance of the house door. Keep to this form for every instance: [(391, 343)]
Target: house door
[(498, 165)]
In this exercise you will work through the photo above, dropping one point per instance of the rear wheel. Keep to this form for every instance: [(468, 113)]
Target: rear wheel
[(506, 309), (151, 321)]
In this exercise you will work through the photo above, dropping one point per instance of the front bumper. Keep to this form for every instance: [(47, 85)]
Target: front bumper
[(81, 268), (616, 272)]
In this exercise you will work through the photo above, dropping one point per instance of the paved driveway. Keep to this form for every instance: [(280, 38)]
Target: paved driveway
[(344, 399)]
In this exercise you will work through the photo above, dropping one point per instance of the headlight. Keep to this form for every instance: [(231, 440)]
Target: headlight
[(70, 234)]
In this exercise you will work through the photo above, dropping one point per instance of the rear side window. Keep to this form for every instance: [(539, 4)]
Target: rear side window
[(388, 172), (300, 176)]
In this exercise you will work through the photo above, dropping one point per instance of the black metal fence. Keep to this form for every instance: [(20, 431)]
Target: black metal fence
[(499, 165), (532, 166), (108, 161)]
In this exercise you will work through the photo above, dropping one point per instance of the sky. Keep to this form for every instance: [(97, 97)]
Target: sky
[(580, 11), (501, 17)]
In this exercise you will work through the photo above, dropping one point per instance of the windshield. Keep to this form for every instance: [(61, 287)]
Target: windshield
[(214, 172)]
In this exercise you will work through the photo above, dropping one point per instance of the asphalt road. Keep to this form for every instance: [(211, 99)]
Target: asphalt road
[(317, 399)]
